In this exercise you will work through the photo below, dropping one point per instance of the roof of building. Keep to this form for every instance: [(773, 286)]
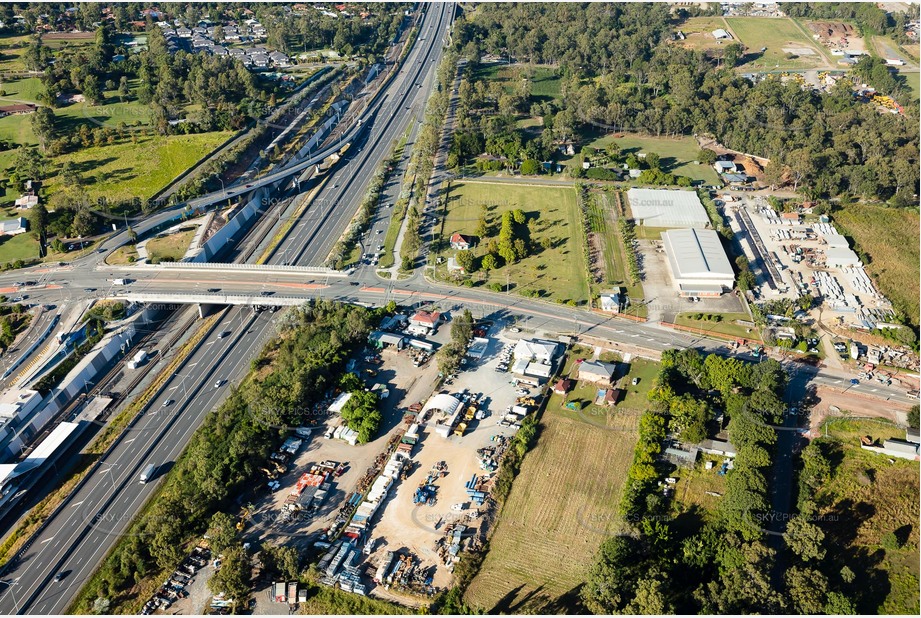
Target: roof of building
[(720, 33), (667, 208), (717, 445), (457, 238), (387, 338), (735, 177), (12, 225), (539, 370), (698, 254), (840, 253), (562, 385), (901, 446), (597, 368), (424, 317), (535, 348), (836, 240), (442, 401)]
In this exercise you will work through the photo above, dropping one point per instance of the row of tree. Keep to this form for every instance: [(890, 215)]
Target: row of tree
[(222, 460), (664, 562)]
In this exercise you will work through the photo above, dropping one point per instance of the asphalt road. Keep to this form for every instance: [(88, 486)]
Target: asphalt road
[(74, 541), (91, 519)]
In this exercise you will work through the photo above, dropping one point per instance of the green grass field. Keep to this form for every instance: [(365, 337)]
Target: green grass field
[(725, 326), (545, 81), (172, 246), (12, 49), (124, 171), (19, 247), (874, 498), (889, 237), (914, 82), (676, 156), (562, 506), (558, 272), (780, 36)]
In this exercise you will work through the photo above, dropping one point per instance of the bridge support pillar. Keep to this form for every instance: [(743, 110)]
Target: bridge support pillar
[(204, 309)]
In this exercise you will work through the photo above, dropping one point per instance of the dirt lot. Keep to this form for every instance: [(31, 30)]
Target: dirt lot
[(407, 384), (850, 404), (406, 527)]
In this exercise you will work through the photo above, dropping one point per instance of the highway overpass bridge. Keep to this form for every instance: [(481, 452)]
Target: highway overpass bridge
[(201, 268)]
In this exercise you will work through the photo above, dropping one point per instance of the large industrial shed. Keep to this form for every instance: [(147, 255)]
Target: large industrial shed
[(698, 264), (840, 257), (664, 208)]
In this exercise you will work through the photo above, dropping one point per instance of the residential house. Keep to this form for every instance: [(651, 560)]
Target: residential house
[(16, 109), (461, 242), (597, 372), (562, 386), (26, 201), (425, 320), (610, 303), (717, 447)]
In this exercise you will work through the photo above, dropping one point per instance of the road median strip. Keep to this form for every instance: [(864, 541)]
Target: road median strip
[(33, 523)]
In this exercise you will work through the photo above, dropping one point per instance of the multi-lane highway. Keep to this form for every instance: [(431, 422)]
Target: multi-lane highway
[(74, 541)]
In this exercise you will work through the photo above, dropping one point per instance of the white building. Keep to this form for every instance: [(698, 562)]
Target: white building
[(610, 303), (539, 350), (667, 208), (698, 263), (12, 227), (840, 257), (26, 201)]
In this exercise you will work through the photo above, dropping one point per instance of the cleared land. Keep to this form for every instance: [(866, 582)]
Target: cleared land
[(725, 325), (171, 247), (556, 272), (889, 238), (876, 498), (676, 156), (698, 32), (545, 81), (562, 506), (781, 37), (19, 247), (121, 172)]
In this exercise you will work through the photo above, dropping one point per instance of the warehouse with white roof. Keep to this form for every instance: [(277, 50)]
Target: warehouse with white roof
[(665, 208), (698, 263)]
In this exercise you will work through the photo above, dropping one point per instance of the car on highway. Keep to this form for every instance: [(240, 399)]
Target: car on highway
[(219, 384), (212, 290), (89, 289), (249, 186), (223, 334), (59, 576), (266, 293), (855, 381), (19, 284), (19, 299), (168, 403)]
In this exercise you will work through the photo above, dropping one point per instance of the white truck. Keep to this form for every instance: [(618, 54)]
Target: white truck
[(148, 473)]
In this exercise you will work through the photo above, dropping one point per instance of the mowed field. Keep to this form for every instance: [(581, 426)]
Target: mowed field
[(780, 36), (562, 506), (889, 237), (545, 81), (697, 31), (676, 156), (557, 272)]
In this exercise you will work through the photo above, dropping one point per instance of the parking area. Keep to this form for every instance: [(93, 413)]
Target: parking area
[(661, 293), (448, 463), (271, 520)]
